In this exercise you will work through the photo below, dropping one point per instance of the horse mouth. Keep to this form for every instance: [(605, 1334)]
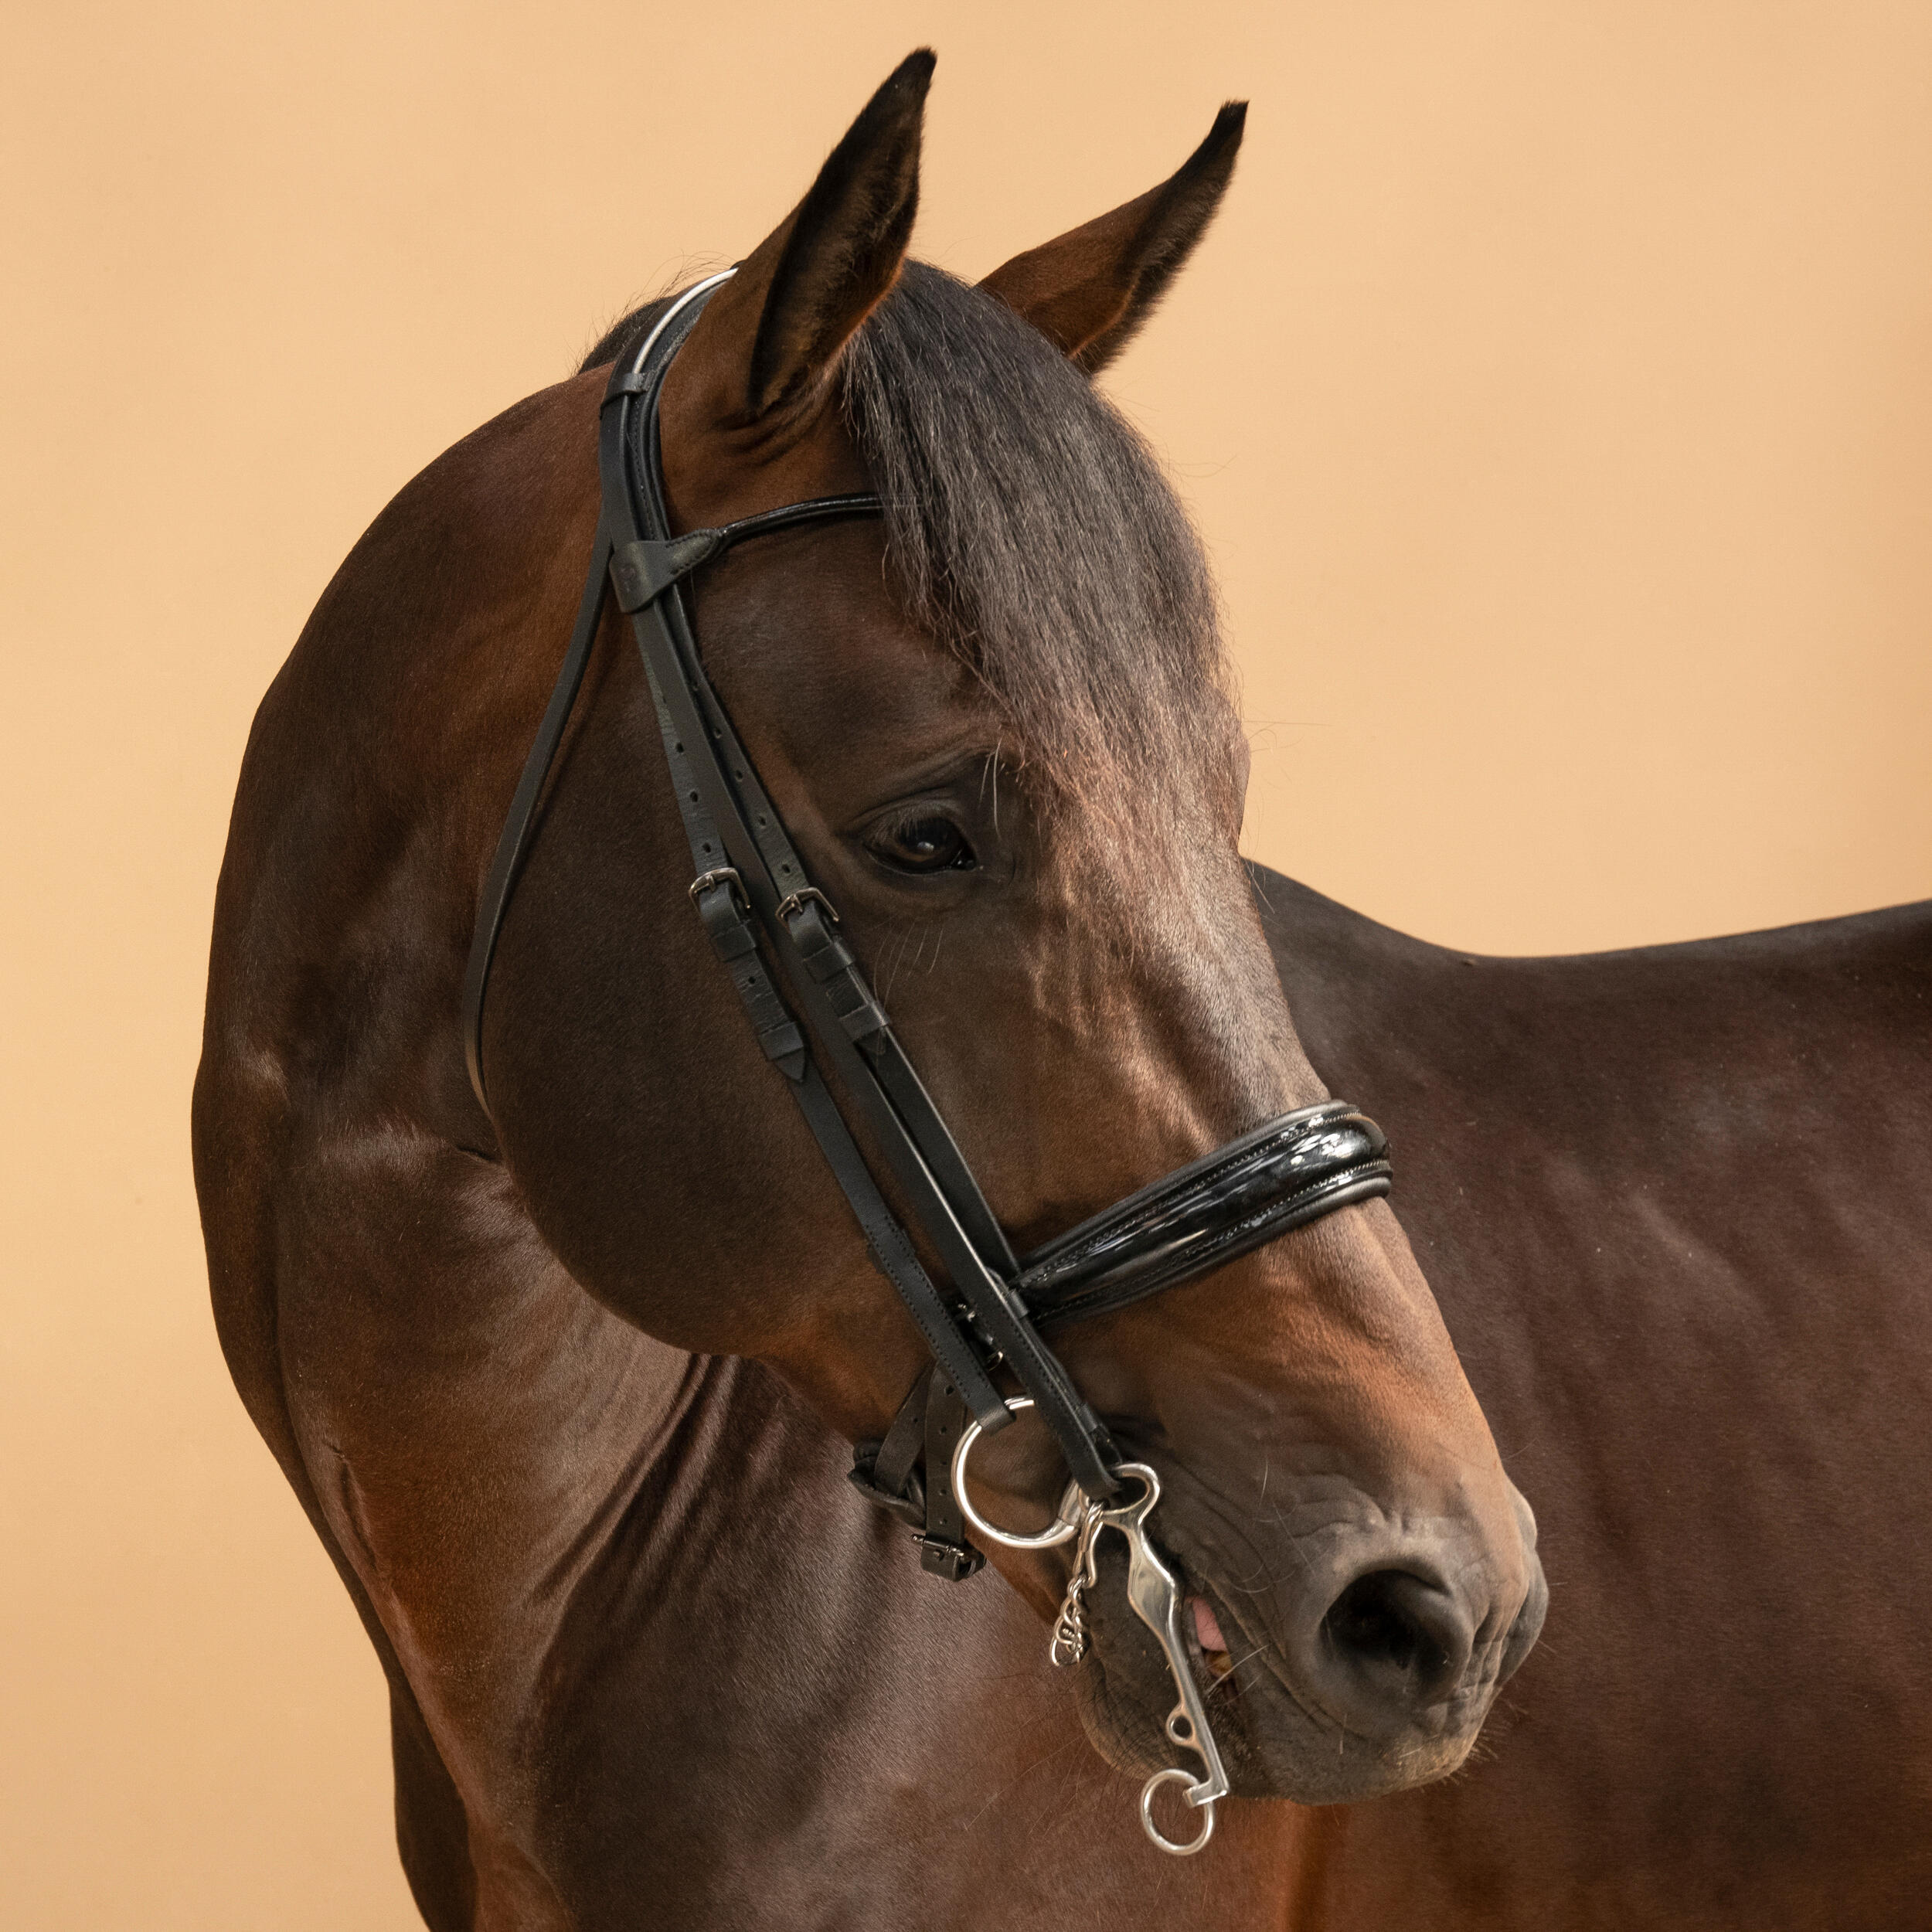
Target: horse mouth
[(1276, 1740), (1216, 1652)]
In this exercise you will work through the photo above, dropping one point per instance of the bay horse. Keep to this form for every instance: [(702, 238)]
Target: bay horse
[(567, 1383)]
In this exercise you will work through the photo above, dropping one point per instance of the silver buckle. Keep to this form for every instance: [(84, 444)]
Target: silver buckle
[(719, 876), (795, 902)]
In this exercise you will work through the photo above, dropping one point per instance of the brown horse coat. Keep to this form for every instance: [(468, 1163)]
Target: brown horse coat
[(652, 1661), (1676, 1204)]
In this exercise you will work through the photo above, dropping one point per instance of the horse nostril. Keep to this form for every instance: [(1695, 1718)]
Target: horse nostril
[(1395, 1625)]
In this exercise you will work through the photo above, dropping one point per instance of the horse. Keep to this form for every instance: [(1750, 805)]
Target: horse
[(566, 1380)]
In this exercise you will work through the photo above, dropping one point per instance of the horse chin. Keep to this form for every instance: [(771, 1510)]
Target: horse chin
[(1271, 1745)]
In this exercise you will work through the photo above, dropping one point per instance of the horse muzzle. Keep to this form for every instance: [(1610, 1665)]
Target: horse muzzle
[(1357, 1662)]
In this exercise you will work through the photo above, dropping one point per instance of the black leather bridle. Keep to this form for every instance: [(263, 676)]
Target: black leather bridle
[(756, 902)]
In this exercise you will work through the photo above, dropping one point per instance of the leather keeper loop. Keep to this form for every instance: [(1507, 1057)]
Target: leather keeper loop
[(831, 962), (821, 949), (865, 1022), (785, 1046), (728, 929)]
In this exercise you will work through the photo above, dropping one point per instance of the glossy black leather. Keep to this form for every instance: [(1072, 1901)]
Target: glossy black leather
[(1292, 1170)]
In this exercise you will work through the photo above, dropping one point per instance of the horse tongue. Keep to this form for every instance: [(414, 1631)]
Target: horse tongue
[(1205, 1628)]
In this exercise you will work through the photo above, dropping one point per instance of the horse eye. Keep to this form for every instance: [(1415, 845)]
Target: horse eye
[(924, 846)]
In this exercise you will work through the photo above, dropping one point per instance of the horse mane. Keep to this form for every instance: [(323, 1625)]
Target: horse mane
[(1030, 530)]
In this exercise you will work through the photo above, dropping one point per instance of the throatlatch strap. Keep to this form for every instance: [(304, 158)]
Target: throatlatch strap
[(514, 845)]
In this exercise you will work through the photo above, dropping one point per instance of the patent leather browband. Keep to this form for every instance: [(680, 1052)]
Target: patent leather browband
[(818, 1013)]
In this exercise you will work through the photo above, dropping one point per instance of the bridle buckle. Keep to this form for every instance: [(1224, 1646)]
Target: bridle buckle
[(954, 1561), (793, 902), (719, 876)]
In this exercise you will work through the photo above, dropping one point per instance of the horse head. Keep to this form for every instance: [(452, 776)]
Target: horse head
[(997, 726)]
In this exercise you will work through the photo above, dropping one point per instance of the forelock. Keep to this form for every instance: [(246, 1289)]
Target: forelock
[(1029, 528), (1030, 531)]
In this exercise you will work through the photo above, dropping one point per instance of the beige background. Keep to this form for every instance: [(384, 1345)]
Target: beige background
[(1555, 393)]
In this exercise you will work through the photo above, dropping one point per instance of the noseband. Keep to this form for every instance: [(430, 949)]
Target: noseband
[(755, 902)]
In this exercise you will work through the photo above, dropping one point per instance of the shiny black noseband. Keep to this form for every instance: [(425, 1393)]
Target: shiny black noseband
[(753, 896)]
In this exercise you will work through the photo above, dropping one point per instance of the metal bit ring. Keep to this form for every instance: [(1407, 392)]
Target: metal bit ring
[(1153, 1784), (1064, 1528)]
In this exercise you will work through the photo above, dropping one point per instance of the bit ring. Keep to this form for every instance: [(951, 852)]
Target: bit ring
[(1176, 1776), (1062, 1529)]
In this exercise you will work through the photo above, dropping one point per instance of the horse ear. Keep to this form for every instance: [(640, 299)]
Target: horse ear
[(1092, 289), (761, 352)]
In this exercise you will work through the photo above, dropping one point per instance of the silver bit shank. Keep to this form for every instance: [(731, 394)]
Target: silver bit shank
[(1155, 1594)]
